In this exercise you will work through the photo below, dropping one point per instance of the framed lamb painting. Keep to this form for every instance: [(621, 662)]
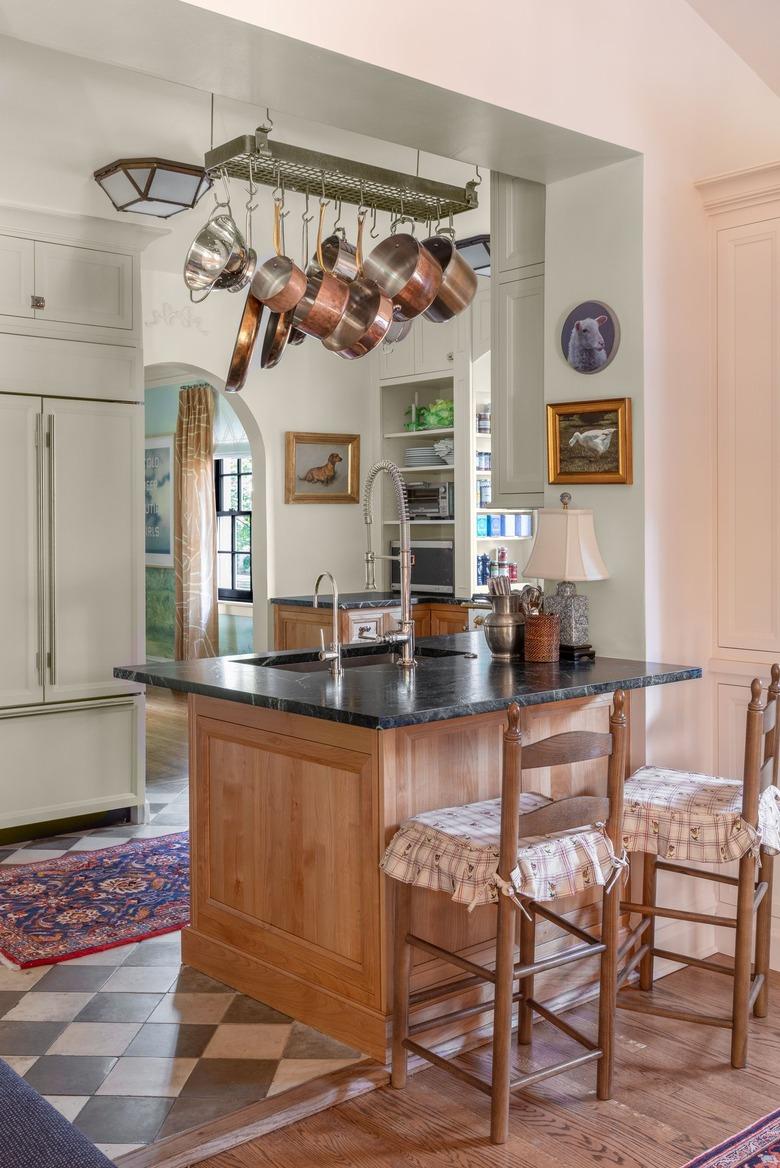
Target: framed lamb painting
[(589, 441), (590, 336)]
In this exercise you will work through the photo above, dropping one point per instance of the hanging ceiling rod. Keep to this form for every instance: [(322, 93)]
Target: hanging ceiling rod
[(338, 178)]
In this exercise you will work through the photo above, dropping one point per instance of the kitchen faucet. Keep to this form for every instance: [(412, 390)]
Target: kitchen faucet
[(405, 636), (333, 653)]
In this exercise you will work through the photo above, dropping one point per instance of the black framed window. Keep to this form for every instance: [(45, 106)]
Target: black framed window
[(233, 483)]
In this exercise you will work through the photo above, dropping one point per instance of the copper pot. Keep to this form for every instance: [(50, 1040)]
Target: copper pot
[(245, 343), (322, 305), (277, 334), (459, 280), (406, 272), (279, 282), (339, 256), (368, 314)]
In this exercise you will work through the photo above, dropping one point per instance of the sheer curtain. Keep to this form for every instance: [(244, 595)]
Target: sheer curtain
[(195, 539)]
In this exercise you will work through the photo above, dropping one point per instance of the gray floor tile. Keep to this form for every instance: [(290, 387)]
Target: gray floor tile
[(244, 1080), (243, 1009), (166, 1040), (192, 981), (28, 1037), (151, 953), (171, 819), (306, 1043), (116, 1119), (8, 999), (69, 1074), (119, 1007), (187, 1113), (73, 978), (54, 841)]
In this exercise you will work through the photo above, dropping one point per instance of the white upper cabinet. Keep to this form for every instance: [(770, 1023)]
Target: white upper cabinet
[(80, 285), (94, 538), (429, 348), (21, 637), (17, 276), (517, 213)]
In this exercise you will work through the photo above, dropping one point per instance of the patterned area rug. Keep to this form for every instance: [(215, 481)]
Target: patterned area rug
[(757, 1146), (90, 901)]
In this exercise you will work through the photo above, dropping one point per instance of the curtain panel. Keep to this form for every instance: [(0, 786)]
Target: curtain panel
[(195, 527)]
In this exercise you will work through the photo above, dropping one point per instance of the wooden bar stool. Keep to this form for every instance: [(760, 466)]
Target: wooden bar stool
[(673, 816), (517, 852)]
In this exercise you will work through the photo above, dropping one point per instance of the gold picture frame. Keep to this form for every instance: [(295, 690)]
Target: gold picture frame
[(321, 468), (590, 441)]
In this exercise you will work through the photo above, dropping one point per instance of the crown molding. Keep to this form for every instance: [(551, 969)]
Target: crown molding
[(55, 226), (740, 188)]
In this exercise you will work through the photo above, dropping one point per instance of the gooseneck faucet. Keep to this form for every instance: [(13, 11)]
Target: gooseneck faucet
[(405, 636), (333, 653)]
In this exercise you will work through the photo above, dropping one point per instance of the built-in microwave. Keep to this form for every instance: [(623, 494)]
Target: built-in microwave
[(431, 500), (433, 569)]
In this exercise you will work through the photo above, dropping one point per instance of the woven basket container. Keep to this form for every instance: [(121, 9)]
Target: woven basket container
[(543, 637)]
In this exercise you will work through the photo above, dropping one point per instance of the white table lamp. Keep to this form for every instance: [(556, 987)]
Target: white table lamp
[(565, 549)]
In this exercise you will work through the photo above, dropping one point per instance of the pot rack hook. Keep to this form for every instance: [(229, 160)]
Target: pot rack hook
[(338, 229), (323, 198), (478, 177), (251, 206), (373, 231), (226, 185), (306, 219)]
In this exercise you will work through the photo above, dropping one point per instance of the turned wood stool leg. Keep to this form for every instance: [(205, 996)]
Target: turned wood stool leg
[(610, 927), (525, 1016), (502, 1022), (649, 890), (402, 968), (742, 960), (764, 936)]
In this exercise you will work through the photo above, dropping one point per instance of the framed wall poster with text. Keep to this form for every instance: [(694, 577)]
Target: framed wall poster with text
[(158, 490)]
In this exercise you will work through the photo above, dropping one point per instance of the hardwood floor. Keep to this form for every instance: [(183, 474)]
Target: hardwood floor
[(675, 1096), (167, 758)]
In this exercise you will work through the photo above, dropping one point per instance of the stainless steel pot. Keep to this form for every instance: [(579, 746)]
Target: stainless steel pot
[(406, 272), (219, 249), (279, 282), (368, 313), (339, 256), (459, 280)]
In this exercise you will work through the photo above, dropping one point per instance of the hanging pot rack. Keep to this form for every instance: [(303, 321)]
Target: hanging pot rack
[(294, 168)]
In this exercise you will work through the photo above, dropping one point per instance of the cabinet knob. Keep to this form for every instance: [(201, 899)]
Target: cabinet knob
[(450, 356), (37, 302)]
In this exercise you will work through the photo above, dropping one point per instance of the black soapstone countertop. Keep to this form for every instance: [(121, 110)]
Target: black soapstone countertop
[(458, 678)]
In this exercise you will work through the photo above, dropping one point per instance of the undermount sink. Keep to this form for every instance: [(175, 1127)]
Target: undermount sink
[(358, 661)]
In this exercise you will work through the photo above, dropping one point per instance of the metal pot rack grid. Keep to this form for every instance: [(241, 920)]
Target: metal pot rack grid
[(338, 179)]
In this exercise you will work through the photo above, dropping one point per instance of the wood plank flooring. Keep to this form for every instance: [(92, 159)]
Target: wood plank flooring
[(676, 1095), (166, 736)]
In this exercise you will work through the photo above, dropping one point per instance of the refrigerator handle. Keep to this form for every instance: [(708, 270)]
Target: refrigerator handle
[(52, 565), (40, 656)]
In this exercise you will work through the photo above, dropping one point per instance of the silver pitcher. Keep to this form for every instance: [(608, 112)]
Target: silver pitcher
[(505, 628)]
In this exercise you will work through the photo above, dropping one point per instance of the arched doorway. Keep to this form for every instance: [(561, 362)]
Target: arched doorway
[(242, 626)]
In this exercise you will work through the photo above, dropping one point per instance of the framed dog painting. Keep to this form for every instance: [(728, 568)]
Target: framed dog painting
[(322, 468)]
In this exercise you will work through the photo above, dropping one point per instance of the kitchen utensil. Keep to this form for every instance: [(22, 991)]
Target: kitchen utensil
[(217, 250), (279, 282), (368, 313), (504, 627), (399, 330), (277, 334), (248, 329), (406, 272), (459, 280), (237, 280), (323, 302)]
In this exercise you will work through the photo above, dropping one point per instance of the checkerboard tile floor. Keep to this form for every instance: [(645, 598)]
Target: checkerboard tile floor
[(131, 1045)]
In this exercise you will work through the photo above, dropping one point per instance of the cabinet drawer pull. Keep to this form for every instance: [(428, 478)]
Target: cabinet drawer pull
[(37, 302)]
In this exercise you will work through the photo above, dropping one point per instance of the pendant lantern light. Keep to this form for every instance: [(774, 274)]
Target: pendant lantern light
[(153, 186)]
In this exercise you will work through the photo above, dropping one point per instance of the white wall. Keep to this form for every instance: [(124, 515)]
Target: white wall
[(594, 252)]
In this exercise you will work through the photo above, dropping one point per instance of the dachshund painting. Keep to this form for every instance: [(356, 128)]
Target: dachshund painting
[(324, 474)]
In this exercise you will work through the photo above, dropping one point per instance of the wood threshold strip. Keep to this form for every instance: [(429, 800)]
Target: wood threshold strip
[(448, 1065), (258, 1119), (629, 1001), (698, 873), (556, 1069), (699, 962), (471, 967), (566, 1027), (678, 914), (569, 926)]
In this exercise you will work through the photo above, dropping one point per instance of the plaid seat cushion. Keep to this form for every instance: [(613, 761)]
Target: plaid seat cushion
[(683, 816), (455, 850)]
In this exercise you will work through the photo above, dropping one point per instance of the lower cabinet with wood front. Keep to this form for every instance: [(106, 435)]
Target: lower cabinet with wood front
[(298, 626)]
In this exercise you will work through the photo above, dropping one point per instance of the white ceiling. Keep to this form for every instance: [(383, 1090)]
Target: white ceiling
[(751, 28)]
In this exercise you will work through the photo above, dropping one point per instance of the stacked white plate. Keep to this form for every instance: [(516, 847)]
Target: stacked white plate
[(420, 456)]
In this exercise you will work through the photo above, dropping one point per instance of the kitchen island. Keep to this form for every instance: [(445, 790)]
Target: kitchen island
[(298, 780)]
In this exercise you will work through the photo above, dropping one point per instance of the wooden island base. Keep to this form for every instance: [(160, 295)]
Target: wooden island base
[(290, 816)]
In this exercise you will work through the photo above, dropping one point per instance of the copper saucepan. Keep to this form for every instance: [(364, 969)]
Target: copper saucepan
[(279, 282), (322, 305), (277, 334), (407, 272), (367, 316), (459, 280), (339, 256), (245, 343)]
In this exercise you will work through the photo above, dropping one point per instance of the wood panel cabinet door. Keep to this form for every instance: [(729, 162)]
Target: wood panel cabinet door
[(422, 620), (447, 619), (17, 276), (518, 392), (517, 223), (21, 650), (94, 535), (81, 285), (748, 365), (299, 628), (435, 345)]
